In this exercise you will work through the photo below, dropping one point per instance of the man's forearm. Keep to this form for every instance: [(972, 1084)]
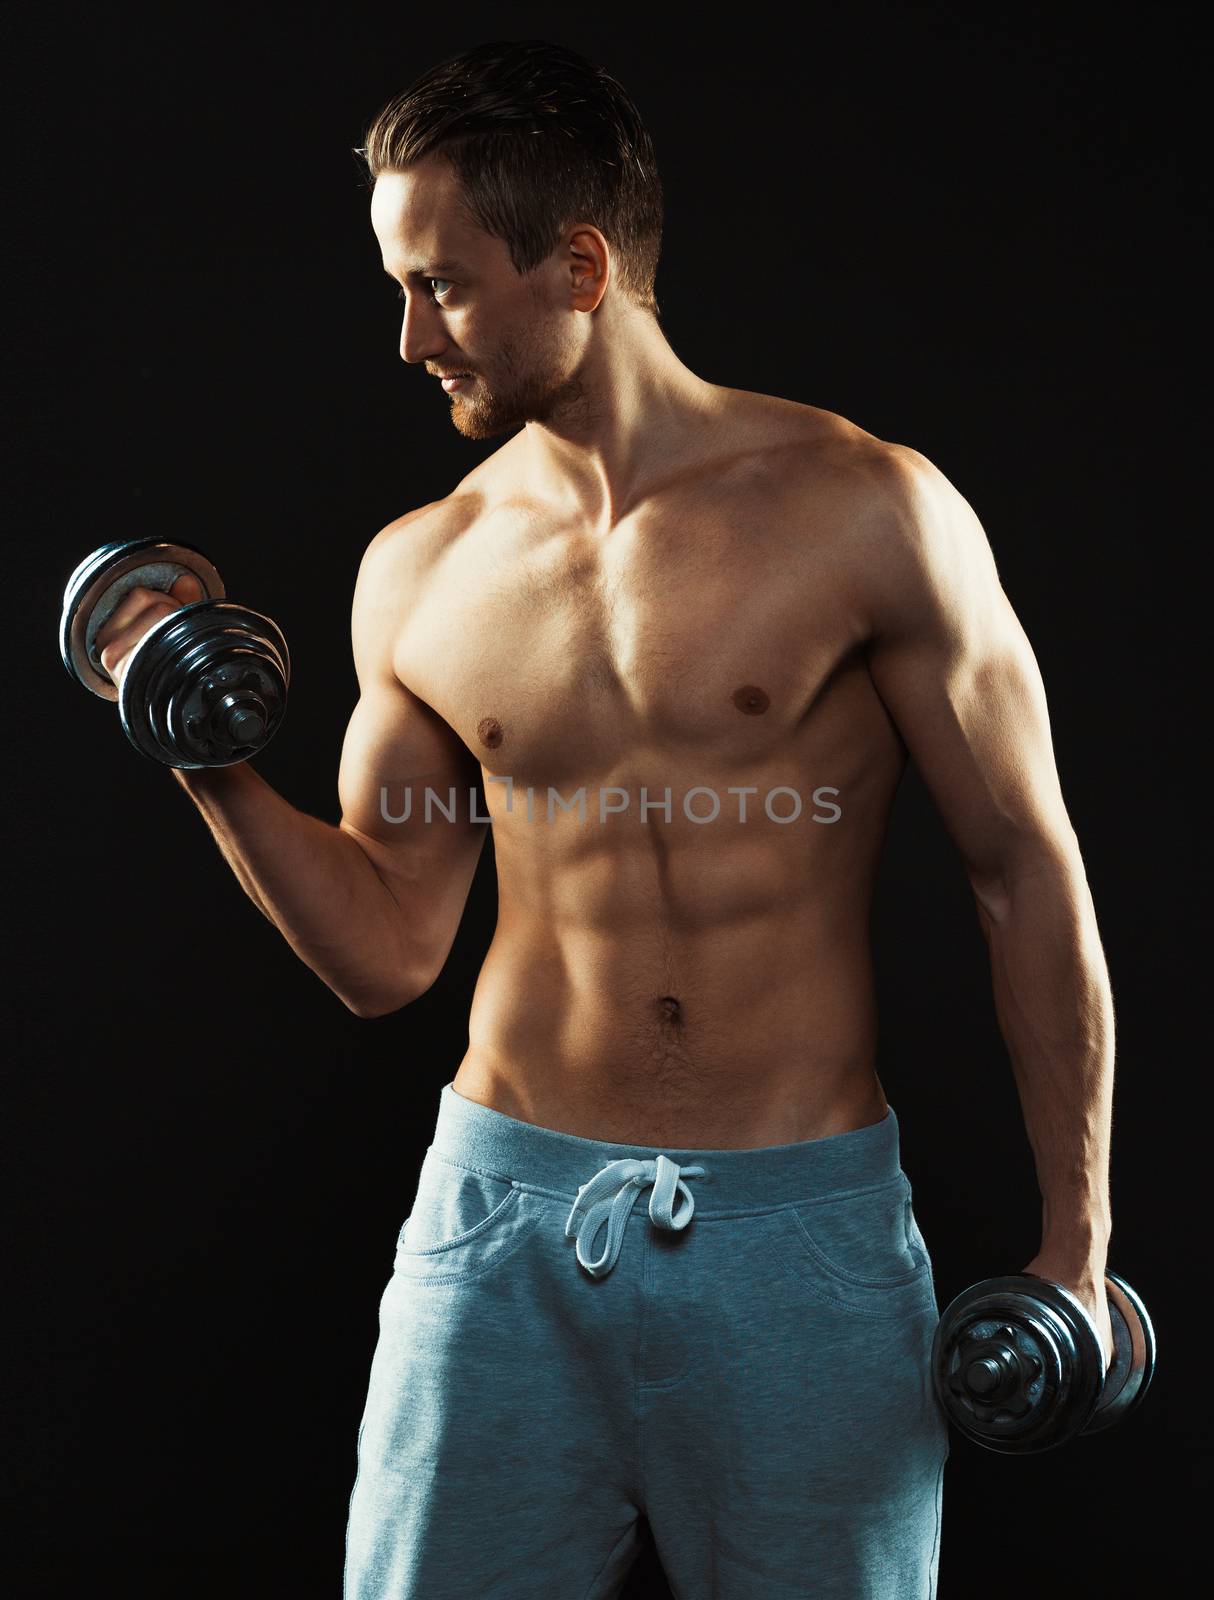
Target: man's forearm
[(314, 882), (1055, 1010)]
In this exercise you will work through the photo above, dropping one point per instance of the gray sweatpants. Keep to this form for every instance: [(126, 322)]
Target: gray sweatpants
[(735, 1342)]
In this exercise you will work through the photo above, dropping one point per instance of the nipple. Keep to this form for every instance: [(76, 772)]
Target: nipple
[(751, 699)]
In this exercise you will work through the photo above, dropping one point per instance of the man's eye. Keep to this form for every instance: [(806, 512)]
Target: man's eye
[(401, 295)]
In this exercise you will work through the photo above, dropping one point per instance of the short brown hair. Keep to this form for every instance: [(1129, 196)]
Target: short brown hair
[(539, 137)]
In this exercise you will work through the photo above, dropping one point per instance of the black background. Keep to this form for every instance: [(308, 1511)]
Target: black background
[(978, 235)]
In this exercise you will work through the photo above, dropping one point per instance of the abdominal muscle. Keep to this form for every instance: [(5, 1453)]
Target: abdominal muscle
[(705, 993)]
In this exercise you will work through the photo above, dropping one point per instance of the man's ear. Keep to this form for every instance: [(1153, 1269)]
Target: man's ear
[(589, 266)]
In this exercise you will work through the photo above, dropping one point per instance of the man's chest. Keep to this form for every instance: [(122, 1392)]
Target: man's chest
[(688, 630)]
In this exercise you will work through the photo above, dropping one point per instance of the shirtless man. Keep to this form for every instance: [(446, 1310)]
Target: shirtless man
[(688, 605)]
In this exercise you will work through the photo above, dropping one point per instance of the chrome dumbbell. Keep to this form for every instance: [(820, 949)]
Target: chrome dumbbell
[(206, 686), (1018, 1367)]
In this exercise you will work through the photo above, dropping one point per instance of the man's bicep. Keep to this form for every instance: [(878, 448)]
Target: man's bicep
[(396, 746), (956, 672)]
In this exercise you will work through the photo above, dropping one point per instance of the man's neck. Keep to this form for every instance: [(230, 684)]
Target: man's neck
[(638, 413)]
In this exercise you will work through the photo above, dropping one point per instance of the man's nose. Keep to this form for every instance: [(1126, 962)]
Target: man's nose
[(421, 338)]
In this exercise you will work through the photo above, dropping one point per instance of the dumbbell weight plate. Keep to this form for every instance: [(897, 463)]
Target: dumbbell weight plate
[(1017, 1364), (206, 686), (1133, 1364), (1018, 1325), (101, 581)]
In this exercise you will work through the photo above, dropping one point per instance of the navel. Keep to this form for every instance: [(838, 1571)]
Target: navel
[(751, 699), (669, 1009), (489, 732)]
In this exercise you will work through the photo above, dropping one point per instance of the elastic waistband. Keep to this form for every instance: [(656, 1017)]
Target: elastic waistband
[(473, 1135)]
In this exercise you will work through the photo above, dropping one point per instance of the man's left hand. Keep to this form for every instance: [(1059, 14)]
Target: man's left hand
[(1087, 1285)]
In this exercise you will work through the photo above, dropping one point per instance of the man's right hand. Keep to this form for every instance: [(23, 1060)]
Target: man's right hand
[(134, 614)]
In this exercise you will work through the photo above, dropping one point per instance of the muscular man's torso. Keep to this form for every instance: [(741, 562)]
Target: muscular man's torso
[(670, 982)]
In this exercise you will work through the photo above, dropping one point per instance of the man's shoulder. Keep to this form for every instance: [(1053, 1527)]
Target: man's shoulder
[(418, 536), (825, 452), (901, 536), (411, 542), (889, 499), (392, 575)]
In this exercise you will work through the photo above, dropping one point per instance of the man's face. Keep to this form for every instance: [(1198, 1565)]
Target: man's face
[(468, 310)]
